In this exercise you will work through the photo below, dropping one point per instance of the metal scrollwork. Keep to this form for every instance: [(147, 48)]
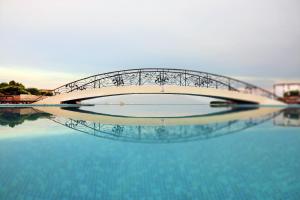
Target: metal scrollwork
[(118, 130), (118, 80), (204, 81), (161, 79)]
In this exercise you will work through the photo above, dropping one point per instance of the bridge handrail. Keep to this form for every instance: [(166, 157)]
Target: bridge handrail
[(232, 88), (171, 70)]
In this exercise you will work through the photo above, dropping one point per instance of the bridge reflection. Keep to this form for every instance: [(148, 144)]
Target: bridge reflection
[(162, 130), (154, 129), (160, 133)]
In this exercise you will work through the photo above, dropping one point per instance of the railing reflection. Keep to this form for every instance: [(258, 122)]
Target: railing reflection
[(162, 133), (154, 130)]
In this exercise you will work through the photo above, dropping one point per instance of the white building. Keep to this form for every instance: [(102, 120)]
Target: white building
[(280, 88)]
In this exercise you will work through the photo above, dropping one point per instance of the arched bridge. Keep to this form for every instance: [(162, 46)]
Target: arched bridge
[(160, 81)]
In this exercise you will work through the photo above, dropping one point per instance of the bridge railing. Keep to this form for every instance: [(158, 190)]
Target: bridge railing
[(162, 76)]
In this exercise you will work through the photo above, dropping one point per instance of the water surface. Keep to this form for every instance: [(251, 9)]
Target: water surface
[(194, 153)]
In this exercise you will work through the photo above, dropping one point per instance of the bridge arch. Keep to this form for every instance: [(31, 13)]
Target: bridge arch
[(160, 81)]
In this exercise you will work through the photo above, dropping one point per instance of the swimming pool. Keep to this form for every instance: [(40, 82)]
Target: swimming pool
[(77, 153)]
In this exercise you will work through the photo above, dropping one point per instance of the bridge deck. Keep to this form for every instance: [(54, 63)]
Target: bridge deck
[(77, 96)]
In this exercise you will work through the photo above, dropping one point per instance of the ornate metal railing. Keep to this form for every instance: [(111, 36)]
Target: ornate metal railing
[(162, 76)]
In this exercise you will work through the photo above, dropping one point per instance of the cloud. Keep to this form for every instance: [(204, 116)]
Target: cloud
[(266, 82), (37, 78), (224, 36), (32, 129)]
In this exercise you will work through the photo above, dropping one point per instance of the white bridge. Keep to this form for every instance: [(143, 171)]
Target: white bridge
[(160, 81)]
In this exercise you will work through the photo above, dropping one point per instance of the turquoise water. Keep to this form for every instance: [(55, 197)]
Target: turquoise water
[(81, 154)]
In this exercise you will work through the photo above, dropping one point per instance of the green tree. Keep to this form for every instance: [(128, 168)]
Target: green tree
[(33, 91), (14, 83), (13, 90), (3, 84), (47, 93), (292, 93), (16, 88)]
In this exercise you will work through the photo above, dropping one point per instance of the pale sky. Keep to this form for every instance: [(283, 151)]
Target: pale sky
[(46, 43)]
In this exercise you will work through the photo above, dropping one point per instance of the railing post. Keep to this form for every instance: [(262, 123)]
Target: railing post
[(140, 77), (184, 77), (207, 80), (180, 78), (163, 77)]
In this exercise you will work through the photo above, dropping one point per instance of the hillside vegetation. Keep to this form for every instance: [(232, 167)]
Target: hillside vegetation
[(15, 88)]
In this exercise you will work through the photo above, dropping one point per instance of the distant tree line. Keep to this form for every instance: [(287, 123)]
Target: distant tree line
[(15, 88)]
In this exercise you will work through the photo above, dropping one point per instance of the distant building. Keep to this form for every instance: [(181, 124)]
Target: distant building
[(281, 88)]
